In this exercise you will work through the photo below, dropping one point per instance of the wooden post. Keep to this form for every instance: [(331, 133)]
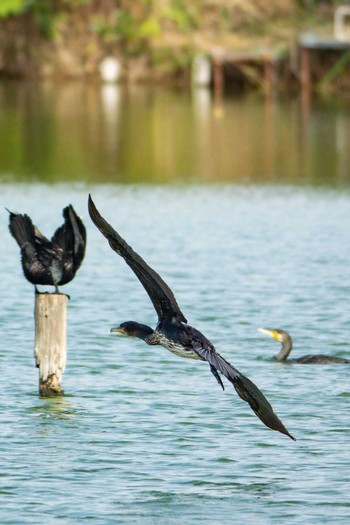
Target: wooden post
[(50, 341)]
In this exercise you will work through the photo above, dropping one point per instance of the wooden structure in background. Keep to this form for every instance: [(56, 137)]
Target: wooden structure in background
[(339, 41), (259, 65), (50, 341), (310, 42), (266, 55)]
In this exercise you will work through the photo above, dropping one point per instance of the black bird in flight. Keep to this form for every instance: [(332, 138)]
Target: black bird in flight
[(173, 332), (50, 262), (287, 344)]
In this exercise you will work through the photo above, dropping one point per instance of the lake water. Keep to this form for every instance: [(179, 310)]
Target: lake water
[(142, 436)]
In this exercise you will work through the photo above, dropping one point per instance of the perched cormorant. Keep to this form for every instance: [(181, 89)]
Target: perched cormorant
[(173, 332), (52, 262), (287, 344)]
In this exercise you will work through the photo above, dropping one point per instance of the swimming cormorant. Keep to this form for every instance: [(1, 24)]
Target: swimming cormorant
[(173, 332), (48, 262), (287, 344)]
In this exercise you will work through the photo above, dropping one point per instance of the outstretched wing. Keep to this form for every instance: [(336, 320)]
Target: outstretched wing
[(22, 229), (245, 388), (159, 292), (71, 236)]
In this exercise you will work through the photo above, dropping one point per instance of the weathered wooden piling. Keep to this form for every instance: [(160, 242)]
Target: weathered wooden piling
[(50, 341)]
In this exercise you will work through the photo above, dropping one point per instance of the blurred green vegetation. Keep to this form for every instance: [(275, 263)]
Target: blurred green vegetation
[(10, 7), (128, 25), (134, 25), (153, 37), (46, 12), (129, 29)]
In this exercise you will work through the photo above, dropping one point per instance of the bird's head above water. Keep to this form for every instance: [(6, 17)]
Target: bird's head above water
[(279, 335), (283, 337), (133, 329)]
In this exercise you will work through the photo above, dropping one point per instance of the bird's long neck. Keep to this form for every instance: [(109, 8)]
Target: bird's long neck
[(151, 339), (146, 333), (286, 349)]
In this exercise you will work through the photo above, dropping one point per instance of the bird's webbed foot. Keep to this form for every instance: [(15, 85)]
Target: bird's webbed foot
[(217, 377), (61, 293), (38, 292)]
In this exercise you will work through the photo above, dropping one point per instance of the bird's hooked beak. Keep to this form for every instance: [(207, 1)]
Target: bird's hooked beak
[(118, 329), (271, 333)]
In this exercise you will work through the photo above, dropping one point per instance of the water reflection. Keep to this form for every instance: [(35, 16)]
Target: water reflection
[(53, 408), (110, 97), (88, 132)]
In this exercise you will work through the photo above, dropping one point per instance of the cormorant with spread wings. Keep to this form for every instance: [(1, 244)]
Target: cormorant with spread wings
[(173, 332), (50, 262)]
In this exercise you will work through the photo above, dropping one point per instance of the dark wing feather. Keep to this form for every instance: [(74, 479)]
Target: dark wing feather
[(71, 236), (79, 233), (22, 229), (245, 388), (159, 292), (217, 376), (36, 250)]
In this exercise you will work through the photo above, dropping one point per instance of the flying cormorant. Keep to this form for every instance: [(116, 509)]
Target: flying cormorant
[(173, 332), (52, 262), (287, 344)]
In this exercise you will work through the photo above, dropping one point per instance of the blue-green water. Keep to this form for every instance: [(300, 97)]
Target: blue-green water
[(145, 437), (251, 229)]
